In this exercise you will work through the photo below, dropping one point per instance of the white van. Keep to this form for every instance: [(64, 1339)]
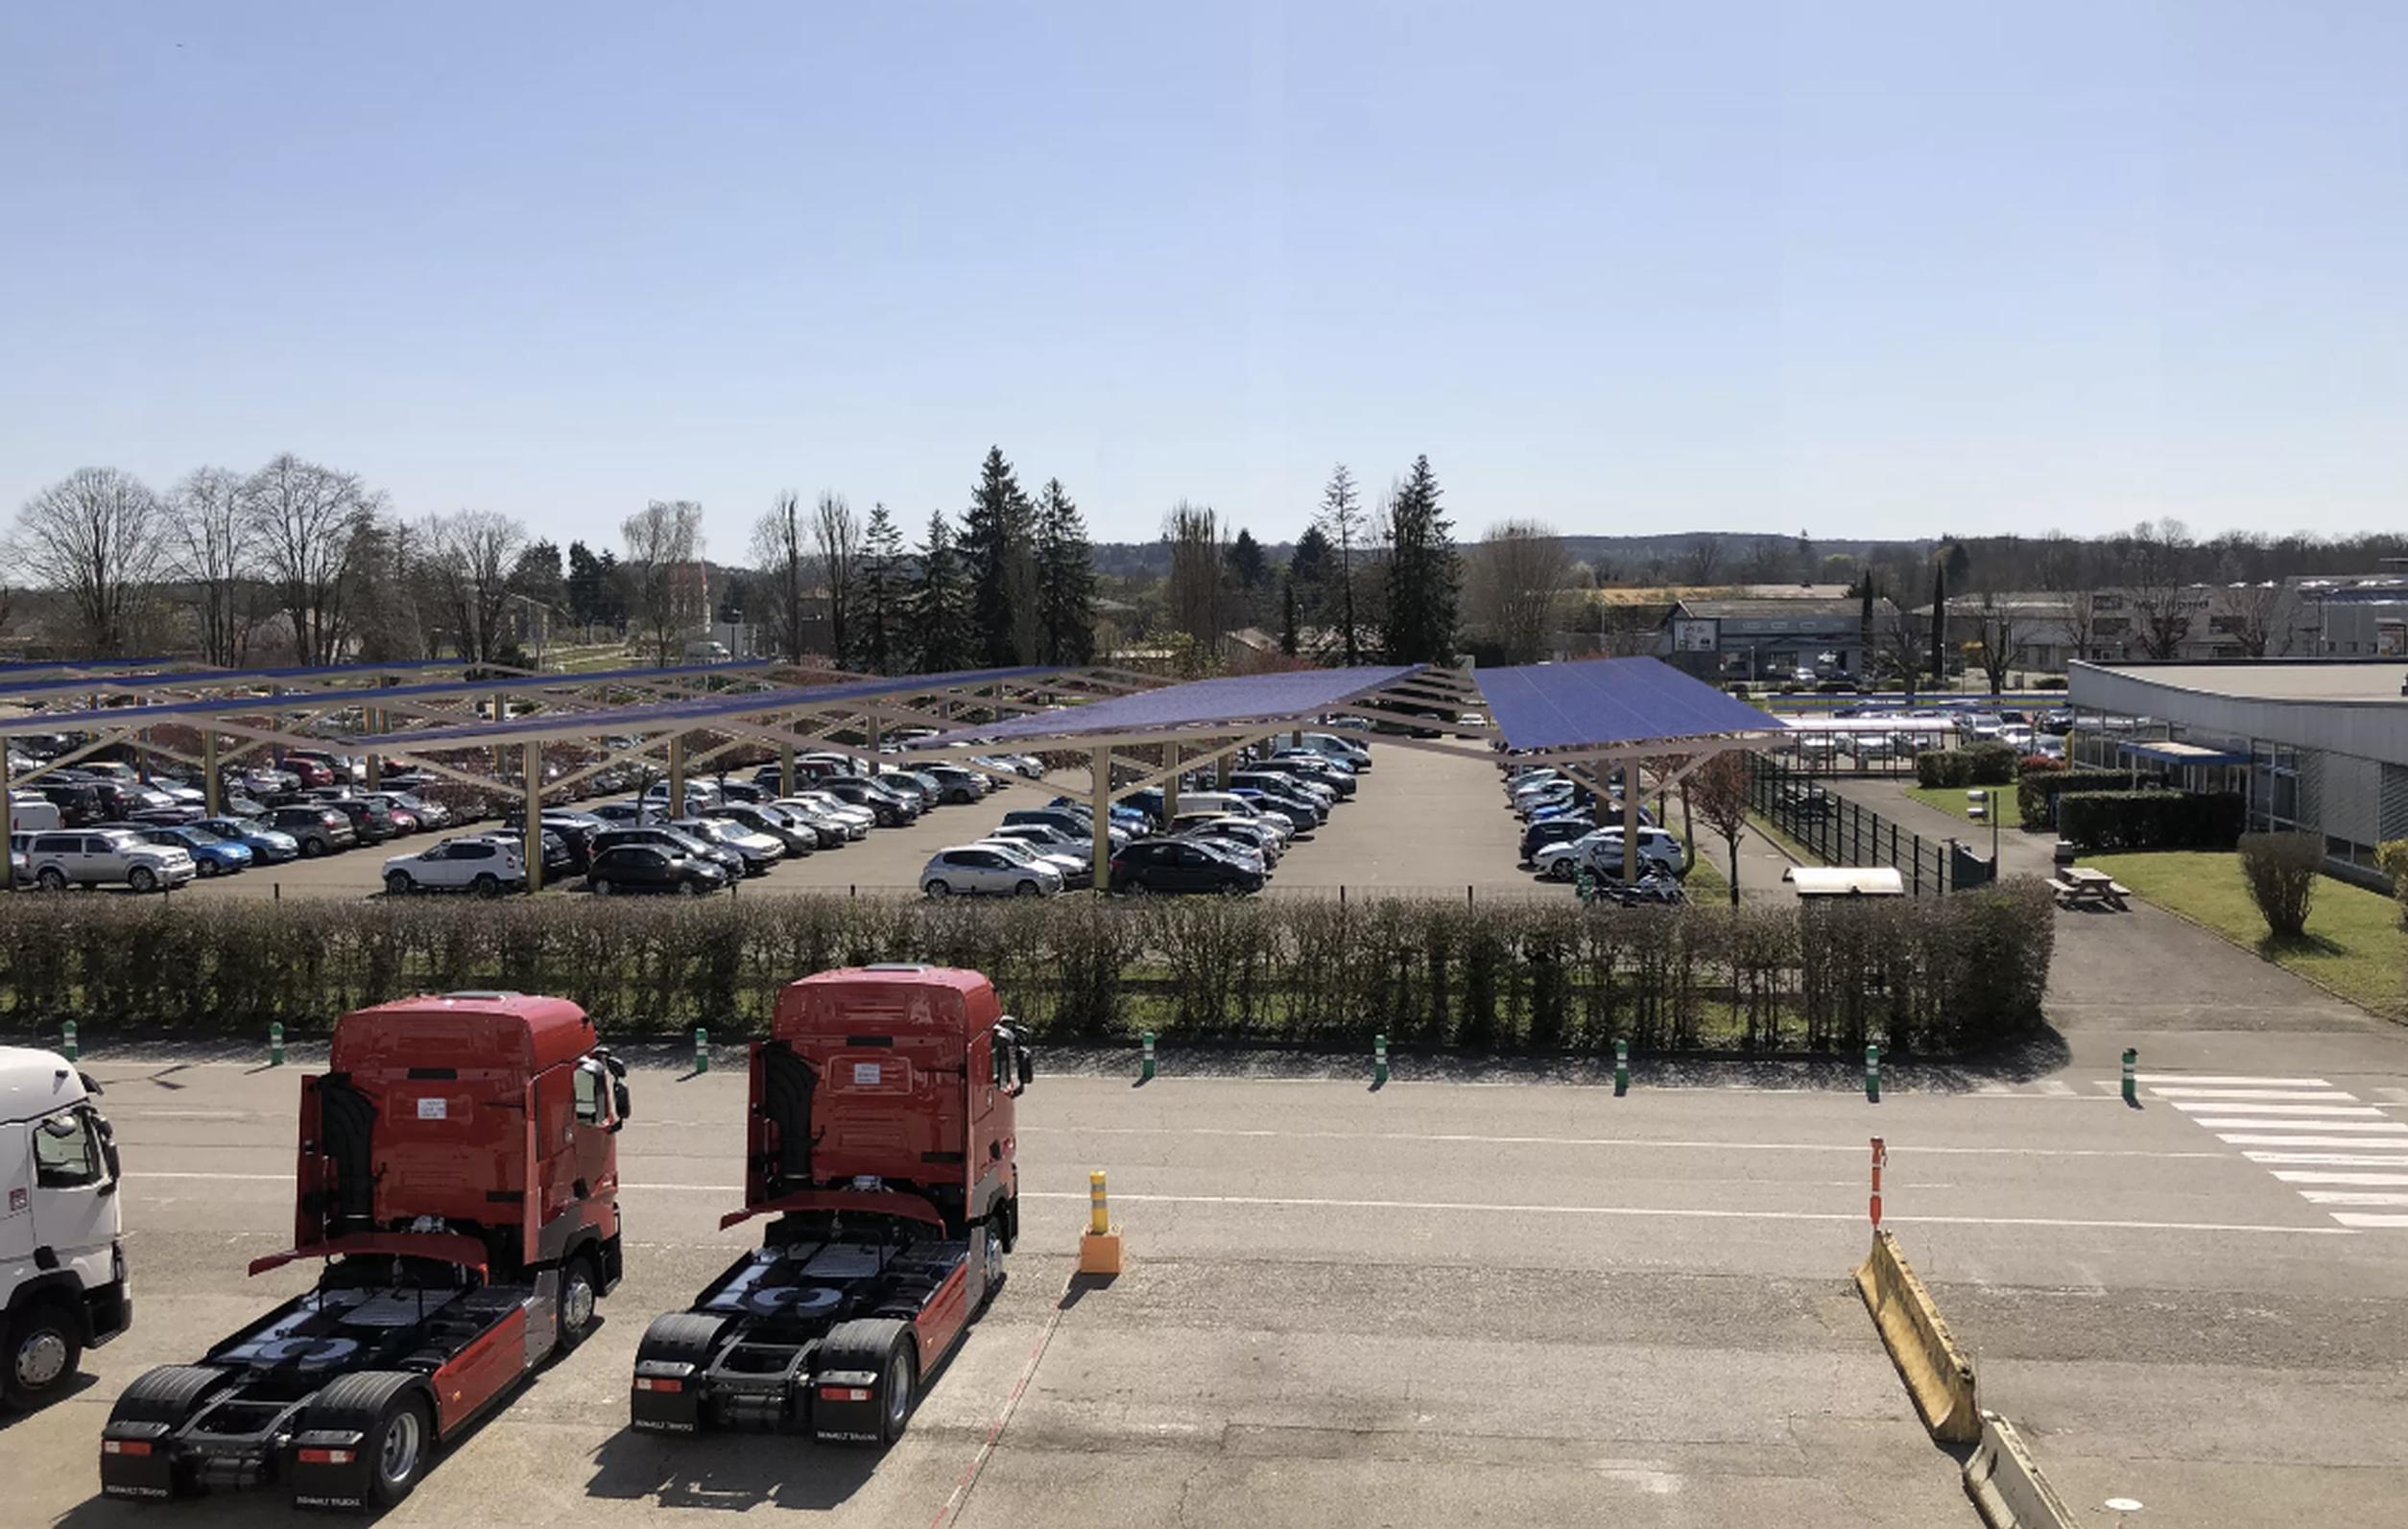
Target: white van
[(31, 814), (62, 1274)]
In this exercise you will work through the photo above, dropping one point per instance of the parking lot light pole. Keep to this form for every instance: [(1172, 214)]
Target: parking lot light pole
[(677, 776), (209, 787), (785, 769), (1100, 808), (8, 817), (1630, 823), (533, 760)]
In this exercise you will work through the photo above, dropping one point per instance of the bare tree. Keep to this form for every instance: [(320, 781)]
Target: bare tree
[(2082, 623), (2162, 601), (836, 536), (1717, 789), (1704, 559), (1518, 574), (1197, 595), (1347, 526), (1995, 626), (469, 559), (665, 590), (211, 547), (96, 538), (2251, 617), (780, 550), (307, 518)]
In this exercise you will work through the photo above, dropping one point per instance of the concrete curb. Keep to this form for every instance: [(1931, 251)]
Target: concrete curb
[(1938, 1376), (2006, 1484)]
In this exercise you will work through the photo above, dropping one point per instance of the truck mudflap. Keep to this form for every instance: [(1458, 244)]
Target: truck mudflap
[(329, 1468), (667, 1393), (137, 1461), (109, 1309)]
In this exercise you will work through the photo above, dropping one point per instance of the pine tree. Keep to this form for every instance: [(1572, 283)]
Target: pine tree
[(882, 594), (1423, 573), (1287, 612), (993, 528), (1066, 580), (1247, 562), (1308, 569), (1343, 523), (941, 603)]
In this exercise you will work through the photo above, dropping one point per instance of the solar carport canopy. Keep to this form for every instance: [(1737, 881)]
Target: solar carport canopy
[(1202, 705), (1610, 702)]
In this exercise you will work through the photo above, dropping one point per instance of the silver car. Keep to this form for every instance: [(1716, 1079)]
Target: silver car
[(986, 867)]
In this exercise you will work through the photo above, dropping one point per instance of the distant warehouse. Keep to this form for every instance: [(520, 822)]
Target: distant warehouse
[(2318, 746)]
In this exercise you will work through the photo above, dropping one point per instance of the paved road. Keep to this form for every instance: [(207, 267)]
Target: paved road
[(1447, 1303)]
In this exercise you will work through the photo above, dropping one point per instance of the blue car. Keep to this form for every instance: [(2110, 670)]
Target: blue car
[(268, 845), (211, 855)]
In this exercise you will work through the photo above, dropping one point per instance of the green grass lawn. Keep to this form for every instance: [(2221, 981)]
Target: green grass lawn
[(1950, 799), (2353, 944)]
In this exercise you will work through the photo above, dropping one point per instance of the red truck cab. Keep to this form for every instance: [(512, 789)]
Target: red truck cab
[(458, 1173), (881, 1142)]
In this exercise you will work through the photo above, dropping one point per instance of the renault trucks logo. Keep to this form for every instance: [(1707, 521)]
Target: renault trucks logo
[(18, 1202)]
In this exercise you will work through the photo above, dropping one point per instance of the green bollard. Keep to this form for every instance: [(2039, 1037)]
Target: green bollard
[(1873, 1074), (2132, 1058), (702, 1049), (275, 1043), (67, 1041), (1145, 1072), (1379, 1061), (1621, 1069)]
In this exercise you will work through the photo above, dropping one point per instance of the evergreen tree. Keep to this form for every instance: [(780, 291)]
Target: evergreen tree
[(1287, 612), (941, 603), (1343, 524), (1308, 569), (993, 530), (1423, 573), (1246, 563), (586, 583), (1066, 580), (881, 597)]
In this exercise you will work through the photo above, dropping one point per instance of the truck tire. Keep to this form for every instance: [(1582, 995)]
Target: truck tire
[(167, 1394), (396, 1428), (986, 1262), (884, 1346), (581, 1287), (681, 1338), (45, 1342)]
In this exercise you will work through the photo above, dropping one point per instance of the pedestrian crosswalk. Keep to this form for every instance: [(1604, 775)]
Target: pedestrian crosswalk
[(2338, 1153)]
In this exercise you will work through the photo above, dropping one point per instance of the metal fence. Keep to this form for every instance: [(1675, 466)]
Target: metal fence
[(1841, 832)]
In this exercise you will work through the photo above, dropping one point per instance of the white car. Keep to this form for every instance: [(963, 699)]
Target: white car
[(986, 867), (819, 806), (1330, 746), (1657, 848), (485, 863), (1044, 838), (89, 857), (1075, 868), (1228, 825)]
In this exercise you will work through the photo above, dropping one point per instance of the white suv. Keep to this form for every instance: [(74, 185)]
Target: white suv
[(484, 864), (91, 857), (1660, 849)]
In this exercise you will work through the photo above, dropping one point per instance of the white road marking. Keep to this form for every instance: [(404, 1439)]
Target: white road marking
[(2055, 1088), (2230, 1081), (2395, 1095), (2328, 1095), (2288, 1177), (2328, 1159), (2335, 1111), (2293, 1131), (2365, 1221), (1683, 1213), (2351, 1197), (1857, 1146)]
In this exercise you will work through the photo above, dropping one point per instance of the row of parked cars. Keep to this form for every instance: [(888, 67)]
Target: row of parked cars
[(1216, 836), (1562, 832)]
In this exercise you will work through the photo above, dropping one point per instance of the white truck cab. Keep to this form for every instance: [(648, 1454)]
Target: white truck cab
[(63, 1274)]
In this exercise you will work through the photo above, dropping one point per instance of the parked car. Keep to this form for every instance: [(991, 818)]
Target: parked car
[(211, 855), (1336, 775), (820, 806), (1281, 783), (759, 851), (20, 861), (370, 824), (92, 857), (79, 802), (889, 808), (1047, 838), (1072, 820), (1075, 870), (628, 814), (1302, 815), (956, 784), (268, 845), (1330, 746), (676, 842), (430, 813), (791, 835), (699, 794), (485, 863), (652, 867), (1221, 827), (316, 829), (1180, 865), (975, 868), (1602, 852)]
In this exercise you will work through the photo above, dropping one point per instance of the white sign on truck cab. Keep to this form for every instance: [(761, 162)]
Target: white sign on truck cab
[(62, 1274)]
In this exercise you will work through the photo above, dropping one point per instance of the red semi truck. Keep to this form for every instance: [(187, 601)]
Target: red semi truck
[(880, 1141), (459, 1174)]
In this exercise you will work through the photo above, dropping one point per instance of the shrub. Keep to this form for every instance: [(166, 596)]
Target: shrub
[(2392, 855), (2049, 682), (1942, 767), (1990, 764), (1927, 975), (2151, 820), (2282, 870), (2036, 792)]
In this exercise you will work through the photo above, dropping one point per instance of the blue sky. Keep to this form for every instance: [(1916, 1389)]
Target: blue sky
[(1861, 270)]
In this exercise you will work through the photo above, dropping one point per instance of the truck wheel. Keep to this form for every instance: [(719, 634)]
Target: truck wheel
[(396, 1430), (580, 1288), (883, 1347), (44, 1347), (986, 1262)]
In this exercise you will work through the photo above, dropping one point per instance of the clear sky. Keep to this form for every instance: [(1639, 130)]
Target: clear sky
[(1861, 270)]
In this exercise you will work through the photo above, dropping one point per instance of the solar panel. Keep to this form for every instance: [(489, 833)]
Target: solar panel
[(1198, 703), (221, 677), (1609, 702)]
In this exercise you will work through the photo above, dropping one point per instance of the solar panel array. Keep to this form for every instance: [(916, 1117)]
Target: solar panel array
[(1609, 702), (1202, 703)]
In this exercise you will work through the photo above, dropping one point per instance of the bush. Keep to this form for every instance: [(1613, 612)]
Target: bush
[(2282, 870), (2151, 820), (1934, 768), (1990, 764), (2036, 792), (2392, 855), (2049, 682), (1927, 975)]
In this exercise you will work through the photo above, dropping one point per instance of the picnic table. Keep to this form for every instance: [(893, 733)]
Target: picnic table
[(2081, 887)]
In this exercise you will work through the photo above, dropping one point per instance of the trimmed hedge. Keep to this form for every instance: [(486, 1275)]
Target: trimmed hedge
[(1984, 764), (2151, 820), (1926, 975), (2036, 793)]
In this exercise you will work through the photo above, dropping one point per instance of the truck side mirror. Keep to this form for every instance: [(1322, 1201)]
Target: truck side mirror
[(619, 1100), (1028, 1065)]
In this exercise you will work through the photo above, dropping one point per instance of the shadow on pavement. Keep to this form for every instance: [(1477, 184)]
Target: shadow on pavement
[(727, 1471)]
